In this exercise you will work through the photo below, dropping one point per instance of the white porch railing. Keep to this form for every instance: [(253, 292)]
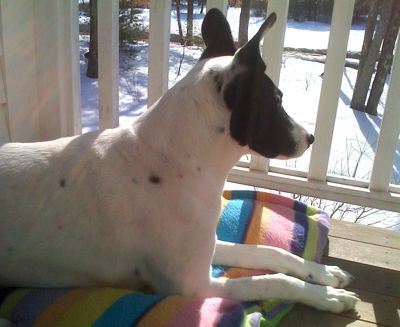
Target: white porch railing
[(39, 105)]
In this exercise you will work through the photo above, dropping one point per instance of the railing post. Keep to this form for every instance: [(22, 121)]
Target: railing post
[(108, 44), (160, 21), (389, 131), (330, 89), (20, 69), (4, 131), (69, 67), (272, 52)]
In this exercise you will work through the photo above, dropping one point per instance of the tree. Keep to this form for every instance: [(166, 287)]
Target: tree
[(385, 61), (378, 19), (381, 31), (243, 36), (178, 18), (201, 3), (189, 24), (92, 68)]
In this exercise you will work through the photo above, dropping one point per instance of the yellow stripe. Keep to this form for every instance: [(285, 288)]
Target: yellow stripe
[(79, 307), (310, 249), (163, 312), (7, 307), (224, 203), (90, 307), (59, 307), (258, 224)]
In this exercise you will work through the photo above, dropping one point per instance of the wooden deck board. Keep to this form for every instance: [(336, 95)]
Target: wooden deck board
[(372, 256), (365, 234)]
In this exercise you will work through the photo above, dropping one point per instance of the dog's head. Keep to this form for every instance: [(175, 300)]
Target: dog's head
[(257, 119)]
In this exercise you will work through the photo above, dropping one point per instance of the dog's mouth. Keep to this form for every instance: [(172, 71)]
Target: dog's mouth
[(302, 140)]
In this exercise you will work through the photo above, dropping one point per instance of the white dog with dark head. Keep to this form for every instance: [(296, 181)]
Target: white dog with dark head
[(127, 206)]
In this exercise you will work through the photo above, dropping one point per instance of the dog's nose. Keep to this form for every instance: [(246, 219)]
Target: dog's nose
[(310, 139)]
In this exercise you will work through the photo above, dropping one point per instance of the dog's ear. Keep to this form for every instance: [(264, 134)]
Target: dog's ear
[(217, 35), (250, 52)]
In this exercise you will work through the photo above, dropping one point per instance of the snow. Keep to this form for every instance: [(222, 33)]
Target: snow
[(355, 134)]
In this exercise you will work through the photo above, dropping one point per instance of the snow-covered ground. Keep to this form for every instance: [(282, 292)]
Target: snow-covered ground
[(355, 135)]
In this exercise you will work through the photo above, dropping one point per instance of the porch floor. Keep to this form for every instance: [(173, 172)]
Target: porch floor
[(372, 256)]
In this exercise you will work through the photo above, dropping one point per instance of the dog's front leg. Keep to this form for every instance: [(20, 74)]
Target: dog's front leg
[(286, 288), (278, 260)]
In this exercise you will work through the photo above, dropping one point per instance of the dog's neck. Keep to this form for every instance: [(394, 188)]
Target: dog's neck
[(194, 140)]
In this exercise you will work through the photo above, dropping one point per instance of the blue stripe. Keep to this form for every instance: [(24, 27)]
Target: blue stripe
[(235, 317), (128, 310), (217, 271), (29, 308), (233, 223), (300, 228)]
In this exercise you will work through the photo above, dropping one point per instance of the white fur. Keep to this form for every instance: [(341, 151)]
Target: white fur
[(81, 211)]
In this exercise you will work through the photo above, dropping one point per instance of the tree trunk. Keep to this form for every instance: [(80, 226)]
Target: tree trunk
[(131, 4), (243, 36), (366, 70), (189, 25), (385, 60), (92, 68), (368, 35), (178, 18), (202, 6)]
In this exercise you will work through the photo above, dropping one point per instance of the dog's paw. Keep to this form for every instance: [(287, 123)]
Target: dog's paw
[(337, 277), (328, 275), (327, 298)]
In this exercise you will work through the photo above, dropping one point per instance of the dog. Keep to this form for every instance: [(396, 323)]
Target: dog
[(139, 205)]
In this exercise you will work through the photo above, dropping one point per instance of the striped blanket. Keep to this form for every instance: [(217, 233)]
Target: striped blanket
[(246, 217)]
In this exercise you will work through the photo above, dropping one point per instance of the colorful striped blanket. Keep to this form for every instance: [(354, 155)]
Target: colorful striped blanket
[(246, 217)]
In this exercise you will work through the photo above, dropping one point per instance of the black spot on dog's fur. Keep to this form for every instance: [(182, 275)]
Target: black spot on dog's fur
[(218, 82), (155, 179), (220, 130), (198, 168), (310, 277), (180, 176), (63, 182)]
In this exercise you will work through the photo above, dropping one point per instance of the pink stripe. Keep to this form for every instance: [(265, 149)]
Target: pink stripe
[(280, 227), (202, 312)]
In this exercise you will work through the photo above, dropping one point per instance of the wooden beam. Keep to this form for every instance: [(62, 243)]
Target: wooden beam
[(330, 90), (69, 67), (160, 21), (108, 43), (18, 36), (389, 131), (320, 189)]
